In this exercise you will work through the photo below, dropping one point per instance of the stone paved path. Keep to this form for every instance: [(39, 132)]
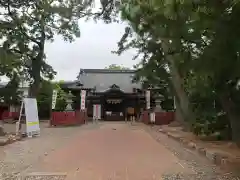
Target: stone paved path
[(112, 152), (119, 151)]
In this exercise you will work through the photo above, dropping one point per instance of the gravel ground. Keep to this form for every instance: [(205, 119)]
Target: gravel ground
[(203, 168), (19, 156)]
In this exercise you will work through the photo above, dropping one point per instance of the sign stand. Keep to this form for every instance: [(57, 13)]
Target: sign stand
[(18, 123), (31, 113)]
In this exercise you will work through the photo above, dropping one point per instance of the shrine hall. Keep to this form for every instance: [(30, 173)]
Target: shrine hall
[(114, 90)]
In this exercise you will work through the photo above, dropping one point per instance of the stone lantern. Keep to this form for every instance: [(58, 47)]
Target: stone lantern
[(158, 99), (69, 102)]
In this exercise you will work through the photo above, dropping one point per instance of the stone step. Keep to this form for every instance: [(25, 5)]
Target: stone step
[(45, 176), (35, 176)]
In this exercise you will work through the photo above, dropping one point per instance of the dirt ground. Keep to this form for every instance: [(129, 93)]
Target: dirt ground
[(117, 151)]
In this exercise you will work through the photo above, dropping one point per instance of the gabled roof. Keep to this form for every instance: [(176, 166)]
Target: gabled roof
[(71, 84), (102, 79), (82, 71), (114, 88)]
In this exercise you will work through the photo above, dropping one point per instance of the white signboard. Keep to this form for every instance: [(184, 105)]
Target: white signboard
[(152, 117), (97, 111), (83, 97), (32, 120), (54, 98), (147, 99)]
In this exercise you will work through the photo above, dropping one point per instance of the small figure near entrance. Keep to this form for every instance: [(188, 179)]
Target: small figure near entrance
[(130, 114)]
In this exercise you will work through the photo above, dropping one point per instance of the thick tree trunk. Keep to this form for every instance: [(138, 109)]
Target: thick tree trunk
[(234, 118), (37, 63), (36, 74), (177, 83), (181, 94), (180, 116), (33, 89)]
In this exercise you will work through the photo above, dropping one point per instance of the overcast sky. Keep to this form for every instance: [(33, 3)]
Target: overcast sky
[(91, 50)]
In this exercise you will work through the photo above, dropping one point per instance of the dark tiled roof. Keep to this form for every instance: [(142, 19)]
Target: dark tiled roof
[(71, 84), (102, 79), (107, 71)]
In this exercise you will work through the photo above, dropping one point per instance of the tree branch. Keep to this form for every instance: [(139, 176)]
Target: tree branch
[(20, 26)]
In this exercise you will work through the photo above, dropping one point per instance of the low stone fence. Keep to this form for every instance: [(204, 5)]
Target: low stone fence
[(68, 118), (161, 118)]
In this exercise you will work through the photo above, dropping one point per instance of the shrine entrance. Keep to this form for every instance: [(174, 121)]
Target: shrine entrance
[(114, 104)]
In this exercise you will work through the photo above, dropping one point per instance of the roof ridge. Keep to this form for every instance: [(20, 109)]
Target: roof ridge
[(107, 71)]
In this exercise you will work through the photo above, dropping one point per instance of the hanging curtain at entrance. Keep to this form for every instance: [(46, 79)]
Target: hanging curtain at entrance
[(130, 110)]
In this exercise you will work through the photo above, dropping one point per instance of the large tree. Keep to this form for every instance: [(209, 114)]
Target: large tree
[(27, 27), (190, 42), (154, 30)]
